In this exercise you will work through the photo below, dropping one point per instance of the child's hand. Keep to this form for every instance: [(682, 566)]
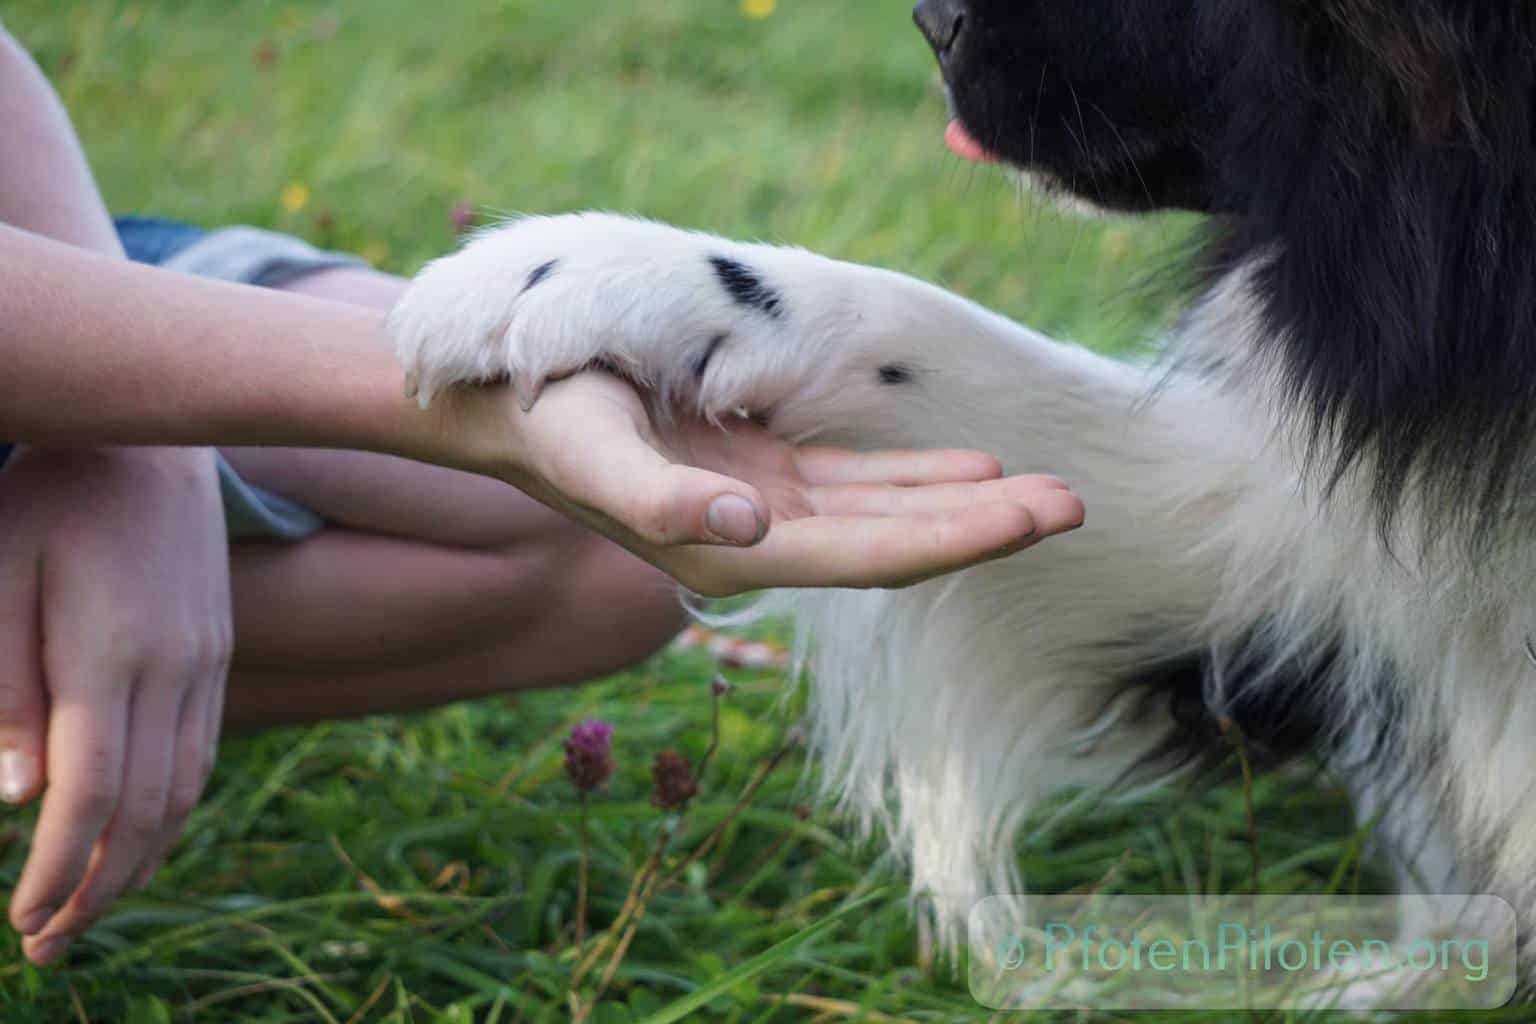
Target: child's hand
[(115, 639), (802, 517)]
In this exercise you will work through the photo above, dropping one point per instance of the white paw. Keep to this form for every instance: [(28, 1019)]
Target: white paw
[(718, 325)]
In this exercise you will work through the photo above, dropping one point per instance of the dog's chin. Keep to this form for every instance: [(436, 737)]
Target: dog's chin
[(1042, 183), (1059, 194)]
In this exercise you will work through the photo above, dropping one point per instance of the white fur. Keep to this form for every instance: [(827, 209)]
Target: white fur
[(947, 711)]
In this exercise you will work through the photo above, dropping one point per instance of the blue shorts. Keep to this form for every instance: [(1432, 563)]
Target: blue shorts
[(248, 256)]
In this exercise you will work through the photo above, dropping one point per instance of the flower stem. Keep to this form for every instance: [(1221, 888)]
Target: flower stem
[(581, 881)]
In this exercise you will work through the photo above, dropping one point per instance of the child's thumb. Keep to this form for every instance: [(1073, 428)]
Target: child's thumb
[(685, 505)]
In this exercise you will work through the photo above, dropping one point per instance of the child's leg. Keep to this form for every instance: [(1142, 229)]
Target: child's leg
[(427, 586)]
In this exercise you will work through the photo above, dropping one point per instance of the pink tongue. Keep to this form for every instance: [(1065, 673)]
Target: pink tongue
[(964, 146)]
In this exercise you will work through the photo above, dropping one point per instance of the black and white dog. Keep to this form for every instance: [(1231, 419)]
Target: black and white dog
[(1317, 523)]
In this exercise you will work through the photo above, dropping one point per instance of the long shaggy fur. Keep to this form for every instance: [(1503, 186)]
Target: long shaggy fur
[(1387, 204)]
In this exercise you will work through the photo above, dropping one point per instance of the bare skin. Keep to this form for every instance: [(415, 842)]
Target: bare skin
[(465, 553)]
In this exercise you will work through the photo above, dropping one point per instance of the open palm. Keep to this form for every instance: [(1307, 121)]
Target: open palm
[(826, 517)]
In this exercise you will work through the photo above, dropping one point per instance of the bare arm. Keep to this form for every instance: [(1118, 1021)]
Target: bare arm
[(45, 183), (95, 350)]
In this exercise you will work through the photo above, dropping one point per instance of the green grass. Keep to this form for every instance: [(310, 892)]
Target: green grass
[(818, 125)]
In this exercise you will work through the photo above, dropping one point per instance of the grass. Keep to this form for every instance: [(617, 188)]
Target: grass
[(425, 868)]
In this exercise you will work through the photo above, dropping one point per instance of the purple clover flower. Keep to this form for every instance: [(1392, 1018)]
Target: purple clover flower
[(589, 755), (675, 784)]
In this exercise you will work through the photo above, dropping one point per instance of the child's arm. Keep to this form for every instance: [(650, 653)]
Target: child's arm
[(95, 349), (45, 183)]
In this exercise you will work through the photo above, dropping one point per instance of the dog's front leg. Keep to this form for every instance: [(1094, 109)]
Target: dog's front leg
[(946, 710)]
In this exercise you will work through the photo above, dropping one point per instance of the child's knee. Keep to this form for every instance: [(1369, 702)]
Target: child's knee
[(630, 608)]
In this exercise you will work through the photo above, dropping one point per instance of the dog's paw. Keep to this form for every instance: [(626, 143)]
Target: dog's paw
[(695, 319)]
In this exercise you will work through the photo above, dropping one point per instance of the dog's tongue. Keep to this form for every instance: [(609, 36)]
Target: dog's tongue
[(965, 146)]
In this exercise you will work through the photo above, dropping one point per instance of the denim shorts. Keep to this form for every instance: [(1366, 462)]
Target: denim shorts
[(248, 256)]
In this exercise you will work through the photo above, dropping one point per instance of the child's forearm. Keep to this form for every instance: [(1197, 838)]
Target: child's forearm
[(95, 350)]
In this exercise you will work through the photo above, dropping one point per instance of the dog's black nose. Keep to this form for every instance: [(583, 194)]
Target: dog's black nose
[(941, 22)]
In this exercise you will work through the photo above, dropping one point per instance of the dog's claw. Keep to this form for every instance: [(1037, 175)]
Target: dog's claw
[(527, 390)]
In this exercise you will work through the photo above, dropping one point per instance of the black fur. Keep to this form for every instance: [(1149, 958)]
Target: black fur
[(747, 287), (1276, 719), (540, 274), (1278, 709), (1374, 162)]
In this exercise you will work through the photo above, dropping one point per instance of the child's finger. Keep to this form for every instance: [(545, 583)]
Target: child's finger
[(139, 821), (823, 465), (892, 500), (187, 778), (87, 742), (892, 551), (660, 502), (23, 699)]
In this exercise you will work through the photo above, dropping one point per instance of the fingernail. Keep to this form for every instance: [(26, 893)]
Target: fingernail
[(37, 920), (18, 775), (49, 949), (733, 518), (1020, 543)]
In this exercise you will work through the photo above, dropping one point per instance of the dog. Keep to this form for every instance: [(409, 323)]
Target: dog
[(1313, 524)]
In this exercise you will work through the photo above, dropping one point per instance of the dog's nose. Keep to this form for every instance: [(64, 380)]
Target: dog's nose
[(941, 22)]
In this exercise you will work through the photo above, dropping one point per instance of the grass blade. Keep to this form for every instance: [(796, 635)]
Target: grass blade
[(760, 964)]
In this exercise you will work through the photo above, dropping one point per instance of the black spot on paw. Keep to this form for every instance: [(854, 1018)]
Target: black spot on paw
[(701, 364), (895, 373), (541, 274), (746, 287)]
